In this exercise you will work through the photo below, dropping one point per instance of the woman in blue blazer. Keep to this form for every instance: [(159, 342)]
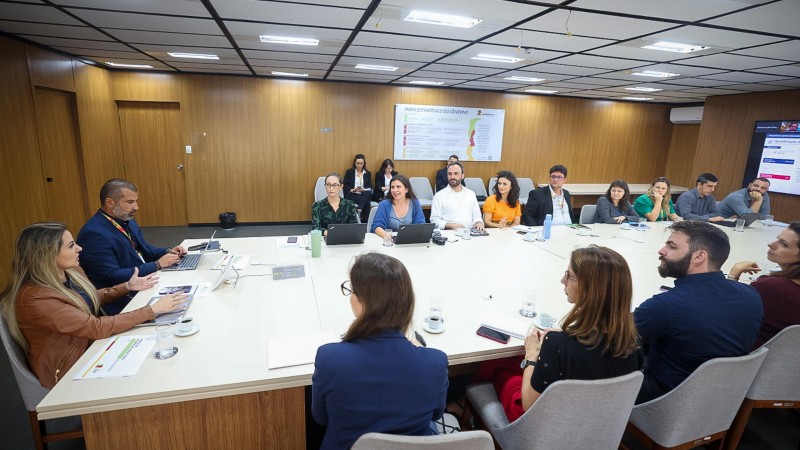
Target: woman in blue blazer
[(376, 379), (401, 207)]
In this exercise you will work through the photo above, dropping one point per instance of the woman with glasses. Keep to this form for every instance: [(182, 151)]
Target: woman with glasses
[(503, 209), (358, 185), (333, 208), (400, 208), (52, 309), (597, 338), (656, 205), (376, 379), (383, 179), (615, 206)]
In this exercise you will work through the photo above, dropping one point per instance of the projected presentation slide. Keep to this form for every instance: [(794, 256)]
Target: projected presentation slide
[(777, 145)]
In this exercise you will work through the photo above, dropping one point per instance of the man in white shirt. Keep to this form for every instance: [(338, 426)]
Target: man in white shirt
[(455, 206)]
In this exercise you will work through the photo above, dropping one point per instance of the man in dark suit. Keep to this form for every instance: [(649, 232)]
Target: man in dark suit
[(548, 199), (113, 245), (441, 175)]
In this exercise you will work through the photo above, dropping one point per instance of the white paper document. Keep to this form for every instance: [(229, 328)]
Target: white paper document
[(120, 357), (297, 350)]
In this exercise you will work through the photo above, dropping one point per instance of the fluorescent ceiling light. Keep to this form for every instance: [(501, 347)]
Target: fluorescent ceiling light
[(528, 79), (289, 40), (674, 47), (192, 55), (643, 89), (289, 74), (540, 91), (427, 83), (641, 99), (130, 66), (655, 74), (442, 19), (376, 67), (496, 58)]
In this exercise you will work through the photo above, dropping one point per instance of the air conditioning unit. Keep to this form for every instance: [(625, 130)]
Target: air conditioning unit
[(686, 115)]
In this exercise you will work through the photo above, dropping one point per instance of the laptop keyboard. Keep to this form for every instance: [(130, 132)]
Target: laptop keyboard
[(189, 260)]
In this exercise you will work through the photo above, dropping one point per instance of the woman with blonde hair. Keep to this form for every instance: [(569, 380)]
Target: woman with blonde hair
[(598, 338), (656, 205), (52, 308)]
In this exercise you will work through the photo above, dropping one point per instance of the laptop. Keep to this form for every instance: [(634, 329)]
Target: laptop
[(414, 234), (749, 218), (346, 233), (190, 261)]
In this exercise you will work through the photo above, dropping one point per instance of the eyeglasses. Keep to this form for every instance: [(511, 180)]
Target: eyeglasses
[(557, 177), (346, 289), (568, 277), (334, 185)]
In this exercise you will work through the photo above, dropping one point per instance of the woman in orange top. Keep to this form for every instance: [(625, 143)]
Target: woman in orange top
[(502, 209)]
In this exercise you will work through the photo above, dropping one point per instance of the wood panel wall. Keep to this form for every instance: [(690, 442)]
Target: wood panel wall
[(725, 135), (682, 149)]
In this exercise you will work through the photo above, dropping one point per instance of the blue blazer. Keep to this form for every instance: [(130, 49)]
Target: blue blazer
[(108, 258), (385, 209), (382, 384)]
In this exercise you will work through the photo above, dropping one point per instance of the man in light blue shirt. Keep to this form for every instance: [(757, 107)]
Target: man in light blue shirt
[(699, 203), (752, 199)]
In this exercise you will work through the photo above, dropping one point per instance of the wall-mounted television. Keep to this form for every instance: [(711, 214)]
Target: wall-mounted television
[(775, 155)]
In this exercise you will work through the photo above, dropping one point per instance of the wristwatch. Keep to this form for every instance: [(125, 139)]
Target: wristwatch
[(527, 362)]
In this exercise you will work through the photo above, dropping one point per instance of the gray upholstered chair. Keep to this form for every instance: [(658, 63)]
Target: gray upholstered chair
[(570, 414), (320, 192), (31, 390), (700, 410), (476, 185), (371, 218), (467, 440), (525, 187), (777, 384), (587, 214), (423, 191)]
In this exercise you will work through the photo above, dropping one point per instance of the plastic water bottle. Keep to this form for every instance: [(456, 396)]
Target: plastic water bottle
[(548, 224)]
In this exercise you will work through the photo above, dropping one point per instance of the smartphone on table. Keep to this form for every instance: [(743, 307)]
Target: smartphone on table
[(496, 336)]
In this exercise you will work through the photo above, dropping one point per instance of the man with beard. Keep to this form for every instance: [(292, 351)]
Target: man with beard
[(441, 174), (113, 245), (456, 206), (752, 199), (704, 316)]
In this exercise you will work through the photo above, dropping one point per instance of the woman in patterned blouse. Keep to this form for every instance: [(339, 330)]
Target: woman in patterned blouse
[(333, 208)]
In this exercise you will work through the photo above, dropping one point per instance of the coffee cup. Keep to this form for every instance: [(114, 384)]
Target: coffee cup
[(625, 226), (434, 322), (546, 320), (186, 325), (530, 236), (465, 234), (583, 231)]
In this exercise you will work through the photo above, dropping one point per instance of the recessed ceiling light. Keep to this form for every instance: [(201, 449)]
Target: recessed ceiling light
[(376, 67), (289, 74), (192, 55), (288, 40), (442, 19), (655, 74), (528, 79), (640, 99), (130, 66), (427, 83), (643, 89), (540, 91), (496, 58), (674, 47)]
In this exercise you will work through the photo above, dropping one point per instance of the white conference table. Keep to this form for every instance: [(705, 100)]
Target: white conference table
[(218, 390)]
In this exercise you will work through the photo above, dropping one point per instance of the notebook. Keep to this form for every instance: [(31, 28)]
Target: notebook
[(346, 233), (749, 218), (190, 261), (414, 234), (513, 326)]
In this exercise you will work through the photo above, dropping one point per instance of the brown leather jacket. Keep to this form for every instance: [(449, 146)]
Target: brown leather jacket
[(58, 332)]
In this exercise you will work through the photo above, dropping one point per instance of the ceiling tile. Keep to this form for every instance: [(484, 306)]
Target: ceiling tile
[(372, 39), (791, 70), (78, 43), (177, 7), (374, 77), (289, 13), (711, 37), (39, 29), (170, 39), (564, 69), (290, 64), (594, 25), (247, 37), (460, 68), (35, 13), (150, 22), (600, 81), (392, 54), (288, 56), (104, 53), (731, 62), (794, 83), (755, 87), (780, 17), (787, 50), (312, 74), (599, 63), (548, 41), (688, 10), (745, 77)]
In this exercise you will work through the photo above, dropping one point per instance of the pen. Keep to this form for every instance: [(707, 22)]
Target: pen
[(420, 339)]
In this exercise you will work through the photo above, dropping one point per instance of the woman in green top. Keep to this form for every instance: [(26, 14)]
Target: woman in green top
[(656, 205), (333, 208)]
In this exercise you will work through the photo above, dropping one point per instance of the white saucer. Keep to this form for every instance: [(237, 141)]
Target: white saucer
[(195, 329), (539, 325), (432, 331)]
